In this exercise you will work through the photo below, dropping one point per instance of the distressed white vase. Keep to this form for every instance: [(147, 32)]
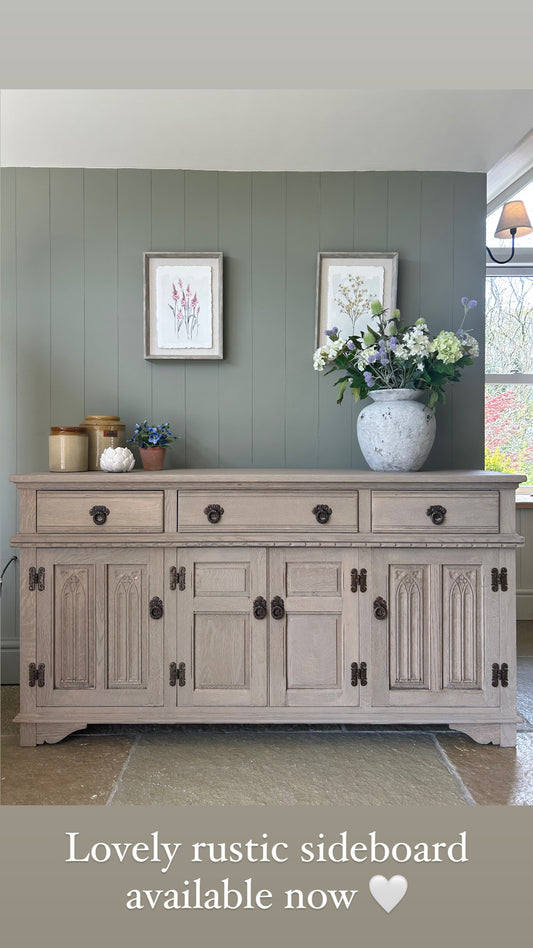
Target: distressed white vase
[(396, 433)]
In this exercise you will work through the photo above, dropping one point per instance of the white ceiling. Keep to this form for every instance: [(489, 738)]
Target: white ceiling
[(262, 129)]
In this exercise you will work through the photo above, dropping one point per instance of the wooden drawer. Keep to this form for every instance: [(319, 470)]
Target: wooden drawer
[(64, 511), (466, 511), (267, 510)]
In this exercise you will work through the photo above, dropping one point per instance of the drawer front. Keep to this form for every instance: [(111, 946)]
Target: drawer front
[(120, 511), (267, 510), (464, 511)]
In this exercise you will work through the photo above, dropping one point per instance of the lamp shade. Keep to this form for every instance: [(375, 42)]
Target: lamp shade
[(514, 215)]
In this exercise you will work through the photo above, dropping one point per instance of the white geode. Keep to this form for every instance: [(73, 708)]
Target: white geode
[(117, 460)]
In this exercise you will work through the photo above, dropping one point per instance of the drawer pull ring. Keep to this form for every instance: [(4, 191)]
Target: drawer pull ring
[(322, 513), (99, 515), (437, 514), (380, 608), (260, 608), (214, 512), (277, 608), (156, 608)]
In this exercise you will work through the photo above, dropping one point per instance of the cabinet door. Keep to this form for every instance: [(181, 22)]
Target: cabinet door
[(220, 640), (313, 645), (440, 636), (95, 634)]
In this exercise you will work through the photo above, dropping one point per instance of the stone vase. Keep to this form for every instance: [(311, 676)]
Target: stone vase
[(153, 457), (397, 431)]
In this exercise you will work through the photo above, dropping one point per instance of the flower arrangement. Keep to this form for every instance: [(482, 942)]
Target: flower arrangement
[(392, 355), (147, 436)]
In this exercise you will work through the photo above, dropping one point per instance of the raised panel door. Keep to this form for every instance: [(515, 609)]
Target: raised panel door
[(95, 635), (440, 635)]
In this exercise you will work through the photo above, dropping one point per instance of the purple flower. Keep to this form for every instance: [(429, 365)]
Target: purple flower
[(393, 342), (350, 345), (472, 303), (383, 359), (369, 379), (464, 300), (331, 332), (373, 357)]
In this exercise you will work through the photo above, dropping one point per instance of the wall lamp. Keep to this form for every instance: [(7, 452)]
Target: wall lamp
[(513, 222)]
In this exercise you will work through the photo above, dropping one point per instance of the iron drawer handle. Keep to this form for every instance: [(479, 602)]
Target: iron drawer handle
[(322, 513), (437, 514), (214, 512), (260, 608), (156, 608), (277, 608), (99, 515), (380, 608)]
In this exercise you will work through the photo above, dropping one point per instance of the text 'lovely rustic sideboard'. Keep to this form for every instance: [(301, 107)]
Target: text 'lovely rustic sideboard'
[(268, 596)]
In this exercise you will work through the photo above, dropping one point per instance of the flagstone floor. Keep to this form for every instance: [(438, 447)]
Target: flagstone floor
[(277, 765)]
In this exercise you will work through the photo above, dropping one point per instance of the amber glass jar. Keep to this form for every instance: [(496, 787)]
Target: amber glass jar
[(105, 431), (68, 449)]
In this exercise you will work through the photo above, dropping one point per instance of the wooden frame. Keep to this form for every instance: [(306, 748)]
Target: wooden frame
[(378, 273), (183, 305)]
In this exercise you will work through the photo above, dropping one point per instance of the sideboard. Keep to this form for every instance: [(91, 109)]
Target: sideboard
[(268, 596)]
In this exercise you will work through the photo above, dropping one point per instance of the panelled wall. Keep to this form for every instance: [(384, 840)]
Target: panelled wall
[(72, 311)]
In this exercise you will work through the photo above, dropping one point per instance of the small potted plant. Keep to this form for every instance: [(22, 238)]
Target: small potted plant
[(153, 440)]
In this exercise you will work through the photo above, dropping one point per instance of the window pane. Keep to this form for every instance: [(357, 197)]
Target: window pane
[(509, 429), (509, 324)]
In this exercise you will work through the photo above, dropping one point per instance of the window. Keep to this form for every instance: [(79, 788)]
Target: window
[(509, 354)]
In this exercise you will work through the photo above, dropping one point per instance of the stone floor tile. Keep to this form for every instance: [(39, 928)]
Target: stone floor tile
[(9, 708), (308, 768), (77, 771), (493, 775), (524, 682)]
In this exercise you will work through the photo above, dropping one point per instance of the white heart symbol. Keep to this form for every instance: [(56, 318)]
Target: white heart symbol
[(388, 892)]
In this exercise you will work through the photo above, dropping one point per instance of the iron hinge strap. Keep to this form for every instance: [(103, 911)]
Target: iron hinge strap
[(500, 674), (177, 674), (499, 579), (359, 674), (36, 578), (358, 580), (36, 675), (177, 578)]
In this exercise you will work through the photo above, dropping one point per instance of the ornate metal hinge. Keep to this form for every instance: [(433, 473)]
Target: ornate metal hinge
[(500, 674), (177, 578), (36, 578), (499, 579), (358, 580), (36, 675), (359, 674), (177, 674)]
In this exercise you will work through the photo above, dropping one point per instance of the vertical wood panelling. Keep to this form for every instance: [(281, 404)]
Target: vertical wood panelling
[(134, 373), (67, 362), (469, 280), (301, 406), (101, 289), (436, 288), (268, 319), (33, 317), (235, 372), (8, 402), (201, 233), (336, 233), (72, 308), (168, 377)]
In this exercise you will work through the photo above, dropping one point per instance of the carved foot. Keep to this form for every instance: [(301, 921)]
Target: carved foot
[(502, 734), (52, 733)]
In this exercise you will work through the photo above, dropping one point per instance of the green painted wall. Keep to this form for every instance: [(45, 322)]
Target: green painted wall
[(72, 310)]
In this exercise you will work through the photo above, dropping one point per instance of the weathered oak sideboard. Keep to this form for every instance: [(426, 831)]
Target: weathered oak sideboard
[(268, 596)]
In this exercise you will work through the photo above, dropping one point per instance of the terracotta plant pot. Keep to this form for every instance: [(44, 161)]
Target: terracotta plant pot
[(153, 457)]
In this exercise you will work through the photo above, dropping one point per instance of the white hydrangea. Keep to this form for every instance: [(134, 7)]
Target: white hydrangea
[(327, 353), (416, 342), (363, 360), (470, 345)]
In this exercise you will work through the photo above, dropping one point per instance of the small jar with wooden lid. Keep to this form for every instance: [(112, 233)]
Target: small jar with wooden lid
[(68, 449), (104, 431)]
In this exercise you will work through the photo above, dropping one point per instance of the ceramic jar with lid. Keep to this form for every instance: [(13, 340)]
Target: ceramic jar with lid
[(104, 431), (68, 449)]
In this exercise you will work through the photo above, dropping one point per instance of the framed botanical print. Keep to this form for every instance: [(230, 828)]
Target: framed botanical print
[(347, 283), (183, 306)]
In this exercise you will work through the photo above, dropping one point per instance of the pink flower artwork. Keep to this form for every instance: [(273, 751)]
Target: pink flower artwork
[(185, 309)]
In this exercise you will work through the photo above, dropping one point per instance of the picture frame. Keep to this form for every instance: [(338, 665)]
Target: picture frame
[(183, 305), (373, 276)]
